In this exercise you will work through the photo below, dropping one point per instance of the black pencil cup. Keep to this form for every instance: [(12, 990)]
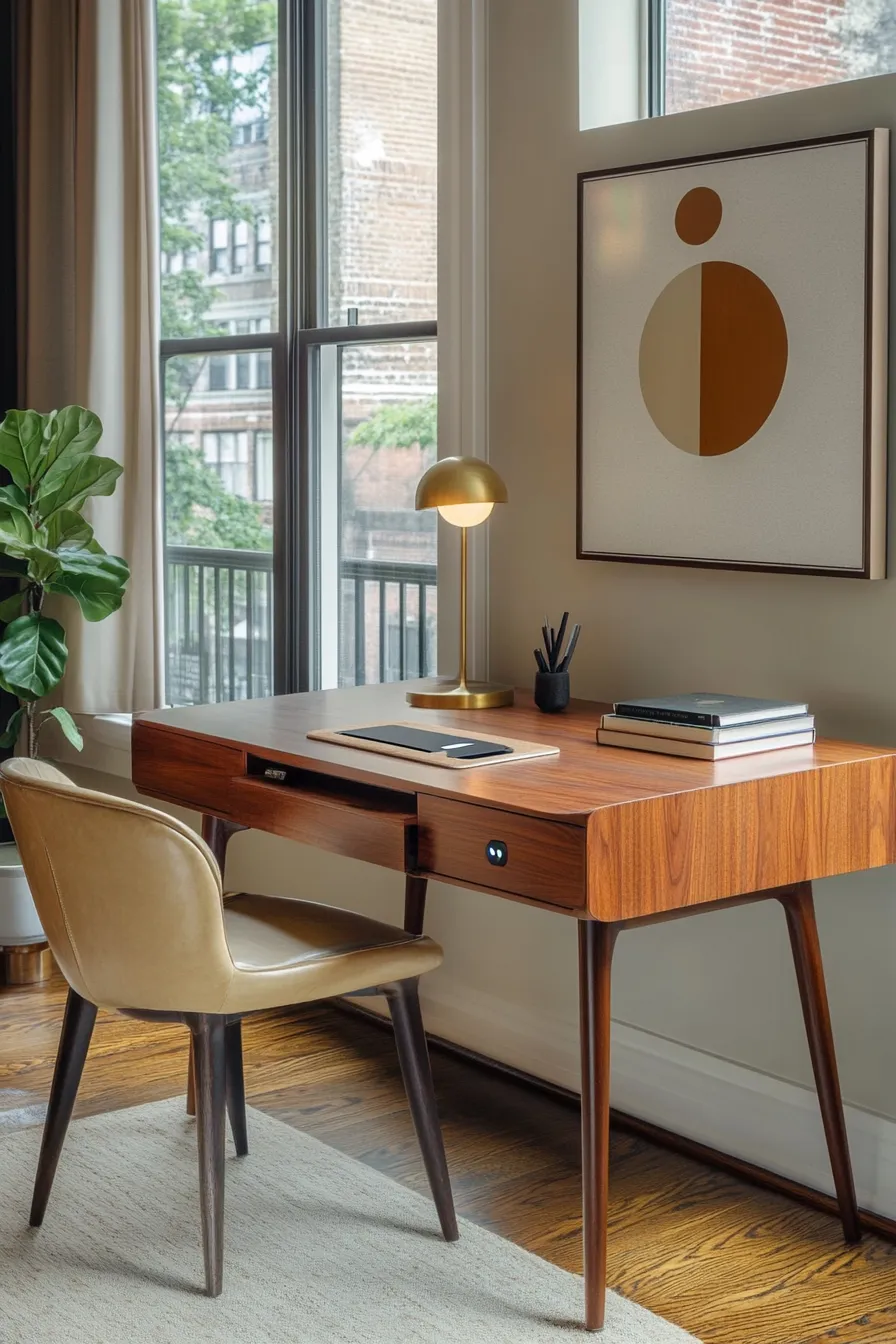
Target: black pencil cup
[(551, 691)]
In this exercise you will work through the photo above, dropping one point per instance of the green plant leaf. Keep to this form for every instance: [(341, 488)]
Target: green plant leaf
[(70, 433), (10, 734), (12, 497), (67, 724), (21, 437), (68, 483), (96, 582), (11, 606), (67, 529), (33, 655)]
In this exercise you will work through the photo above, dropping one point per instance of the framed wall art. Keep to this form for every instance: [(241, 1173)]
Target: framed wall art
[(732, 365)]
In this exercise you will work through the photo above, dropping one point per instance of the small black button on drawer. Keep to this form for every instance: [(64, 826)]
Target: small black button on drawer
[(496, 853)]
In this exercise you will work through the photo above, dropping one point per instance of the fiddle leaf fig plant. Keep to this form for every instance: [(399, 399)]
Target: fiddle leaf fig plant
[(47, 546)]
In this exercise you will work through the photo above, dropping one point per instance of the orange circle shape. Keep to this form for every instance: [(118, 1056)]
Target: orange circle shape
[(698, 216), (713, 357)]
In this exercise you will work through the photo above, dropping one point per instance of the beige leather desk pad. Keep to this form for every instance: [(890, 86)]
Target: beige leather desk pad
[(520, 751)]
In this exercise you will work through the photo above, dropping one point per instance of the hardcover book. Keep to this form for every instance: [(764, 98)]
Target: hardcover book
[(709, 710), (703, 751), (692, 732)]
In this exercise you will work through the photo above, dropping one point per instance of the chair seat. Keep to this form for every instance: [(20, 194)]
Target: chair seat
[(289, 951)]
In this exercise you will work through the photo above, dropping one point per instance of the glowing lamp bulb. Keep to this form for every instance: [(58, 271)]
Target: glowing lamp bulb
[(465, 515)]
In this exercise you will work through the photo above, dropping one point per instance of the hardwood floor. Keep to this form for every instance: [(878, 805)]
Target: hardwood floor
[(728, 1262)]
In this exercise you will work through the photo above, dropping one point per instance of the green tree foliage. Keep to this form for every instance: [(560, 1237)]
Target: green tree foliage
[(201, 88), (203, 84), (401, 426), (200, 512)]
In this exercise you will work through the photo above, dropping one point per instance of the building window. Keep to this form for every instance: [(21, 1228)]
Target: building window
[(263, 244), (228, 452), (240, 246), (250, 402), (244, 371), (217, 248), (723, 53), (218, 367), (264, 467)]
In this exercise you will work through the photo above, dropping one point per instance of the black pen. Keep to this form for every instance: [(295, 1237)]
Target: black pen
[(539, 658), (572, 648), (561, 632)]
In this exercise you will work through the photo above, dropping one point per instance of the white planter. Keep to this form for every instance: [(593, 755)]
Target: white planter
[(19, 923)]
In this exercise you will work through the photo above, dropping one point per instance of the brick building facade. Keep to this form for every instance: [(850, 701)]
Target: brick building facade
[(723, 51)]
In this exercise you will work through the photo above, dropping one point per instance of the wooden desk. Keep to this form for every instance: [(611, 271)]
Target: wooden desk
[(612, 838)]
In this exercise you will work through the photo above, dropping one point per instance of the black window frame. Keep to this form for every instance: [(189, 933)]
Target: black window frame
[(302, 264)]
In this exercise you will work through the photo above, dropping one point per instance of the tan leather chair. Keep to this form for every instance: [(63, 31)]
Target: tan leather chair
[(132, 906)]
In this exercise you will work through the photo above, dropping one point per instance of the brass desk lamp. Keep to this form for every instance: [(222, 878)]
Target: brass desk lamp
[(464, 490)]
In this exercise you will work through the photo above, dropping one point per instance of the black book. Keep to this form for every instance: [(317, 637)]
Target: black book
[(712, 711)]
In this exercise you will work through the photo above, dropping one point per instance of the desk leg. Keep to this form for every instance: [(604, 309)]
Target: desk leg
[(800, 910), (414, 903), (216, 833), (595, 959)]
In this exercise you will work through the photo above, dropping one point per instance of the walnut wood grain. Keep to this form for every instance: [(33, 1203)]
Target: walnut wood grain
[(662, 832), (545, 859), (711, 843)]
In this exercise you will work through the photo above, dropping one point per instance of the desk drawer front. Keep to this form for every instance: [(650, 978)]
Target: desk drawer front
[(485, 847)]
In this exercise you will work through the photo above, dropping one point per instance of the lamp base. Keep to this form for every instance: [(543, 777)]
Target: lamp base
[(452, 695)]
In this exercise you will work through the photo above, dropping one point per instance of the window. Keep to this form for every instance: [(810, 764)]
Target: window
[(264, 467), (293, 441), (262, 244), (217, 248), (218, 369), (724, 52), (228, 452), (240, 246)]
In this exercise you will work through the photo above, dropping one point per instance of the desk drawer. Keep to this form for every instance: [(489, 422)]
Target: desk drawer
[(542, 860)]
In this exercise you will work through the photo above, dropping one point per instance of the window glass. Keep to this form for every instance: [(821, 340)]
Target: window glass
[(381, 137), (217, 159), (384, 627), (218, 537), (724, 52)]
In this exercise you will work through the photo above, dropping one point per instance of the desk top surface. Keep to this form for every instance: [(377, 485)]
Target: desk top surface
[(583, 778)]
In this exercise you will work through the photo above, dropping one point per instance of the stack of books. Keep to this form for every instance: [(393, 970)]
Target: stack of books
[(708, 727)]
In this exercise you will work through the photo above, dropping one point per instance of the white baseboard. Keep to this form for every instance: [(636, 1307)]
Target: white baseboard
[(738, 1110)]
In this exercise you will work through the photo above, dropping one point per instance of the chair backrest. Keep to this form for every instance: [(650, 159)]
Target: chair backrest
[(130, 899)]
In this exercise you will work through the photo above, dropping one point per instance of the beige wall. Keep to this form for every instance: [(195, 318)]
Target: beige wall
[(721, 983)]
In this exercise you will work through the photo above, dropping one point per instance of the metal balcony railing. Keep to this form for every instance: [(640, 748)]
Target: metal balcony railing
[(219, 619)]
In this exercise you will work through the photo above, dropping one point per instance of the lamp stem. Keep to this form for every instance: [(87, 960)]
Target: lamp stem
[(462, 679)]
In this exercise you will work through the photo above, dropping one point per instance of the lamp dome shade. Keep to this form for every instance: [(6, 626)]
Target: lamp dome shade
[(460, 480)]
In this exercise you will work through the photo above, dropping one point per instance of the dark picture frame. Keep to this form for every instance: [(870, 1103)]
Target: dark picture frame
[(874, 392)]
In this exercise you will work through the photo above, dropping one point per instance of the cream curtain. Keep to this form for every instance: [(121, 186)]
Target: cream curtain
[(88, 301)]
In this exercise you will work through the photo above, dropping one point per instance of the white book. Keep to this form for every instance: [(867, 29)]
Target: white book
[(702, 751), (688, 732)]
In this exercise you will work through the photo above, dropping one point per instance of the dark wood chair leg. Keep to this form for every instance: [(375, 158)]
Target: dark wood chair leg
[(413, 1056), (208, 1032), (191, 1081), (800, 910), (217, 833), (596, 942), (414, 902), (236, 1090), (77, 1028)]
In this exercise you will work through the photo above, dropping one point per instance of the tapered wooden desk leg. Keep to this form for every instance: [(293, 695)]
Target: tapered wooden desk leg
[(414, 903), (800, 910), (216, 833), (595, 959)]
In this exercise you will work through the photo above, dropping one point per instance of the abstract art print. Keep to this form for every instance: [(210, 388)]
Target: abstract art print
[(732, 379)]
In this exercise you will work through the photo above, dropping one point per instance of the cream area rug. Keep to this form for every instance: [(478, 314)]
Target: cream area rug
[(319, 1249)]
